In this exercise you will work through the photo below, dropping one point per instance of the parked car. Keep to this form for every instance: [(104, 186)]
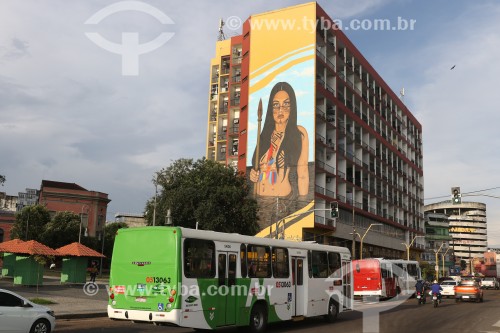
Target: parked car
[(18, 314), (448, 288), (490, 282), (468, 290)]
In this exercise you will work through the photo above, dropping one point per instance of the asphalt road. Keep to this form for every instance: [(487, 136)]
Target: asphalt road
[(384, 317)]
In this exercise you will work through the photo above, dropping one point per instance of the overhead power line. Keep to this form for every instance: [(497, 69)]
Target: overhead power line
[(464, 193)]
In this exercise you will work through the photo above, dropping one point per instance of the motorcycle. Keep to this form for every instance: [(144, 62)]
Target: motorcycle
[(420, 298), (436, 299)]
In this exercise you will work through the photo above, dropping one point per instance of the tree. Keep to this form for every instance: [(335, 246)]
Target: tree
[(2, 180), (110, 231), (428, 270), (62, 230), (204, 191), (30, 223)]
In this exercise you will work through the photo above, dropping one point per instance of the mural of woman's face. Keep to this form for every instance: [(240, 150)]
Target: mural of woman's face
[(281, 107)]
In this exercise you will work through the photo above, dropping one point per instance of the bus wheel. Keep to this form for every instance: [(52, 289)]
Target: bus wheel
[(333, 311), (258, 319)]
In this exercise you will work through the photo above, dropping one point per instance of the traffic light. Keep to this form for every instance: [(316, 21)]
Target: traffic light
[(456, 197), (334, 209)]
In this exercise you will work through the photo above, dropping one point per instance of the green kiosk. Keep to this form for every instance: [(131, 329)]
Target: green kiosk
[(75, 262), (9, 259), (29, 261)]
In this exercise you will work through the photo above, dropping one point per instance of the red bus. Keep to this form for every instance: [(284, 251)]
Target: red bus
[(385, 278)]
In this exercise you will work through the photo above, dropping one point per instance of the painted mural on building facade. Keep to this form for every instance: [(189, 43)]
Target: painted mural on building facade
[(280, 163)]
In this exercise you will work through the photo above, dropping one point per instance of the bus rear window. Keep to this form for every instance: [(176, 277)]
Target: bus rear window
[(199, 258)]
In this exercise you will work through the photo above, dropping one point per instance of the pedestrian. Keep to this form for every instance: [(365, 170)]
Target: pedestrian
[(93, 272)]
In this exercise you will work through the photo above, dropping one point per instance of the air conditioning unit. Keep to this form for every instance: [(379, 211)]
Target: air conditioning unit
[(328, 180), (328, 157), (236, 121), (223, 150)]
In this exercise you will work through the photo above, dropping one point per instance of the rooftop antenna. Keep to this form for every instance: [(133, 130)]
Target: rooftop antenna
[(221, 31), (402, 94)]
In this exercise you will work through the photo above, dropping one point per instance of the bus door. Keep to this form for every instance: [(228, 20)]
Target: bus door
[(227, 297), (347, 284), (297, 286), (389, 282)]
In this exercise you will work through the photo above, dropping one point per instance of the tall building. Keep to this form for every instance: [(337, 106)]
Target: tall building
[(295, 106), (468, 228), (438, 250), (28, 198)]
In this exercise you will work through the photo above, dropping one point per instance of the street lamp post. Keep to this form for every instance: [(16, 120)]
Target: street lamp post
[(354, 234), (409, 246), (81, 222), (27, 225), (437, 261), (353, 228), (442, 257), (363, 237), (154, 205), (102, 246)]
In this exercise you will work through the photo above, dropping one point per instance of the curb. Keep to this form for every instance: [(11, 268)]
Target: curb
[(81, 315)]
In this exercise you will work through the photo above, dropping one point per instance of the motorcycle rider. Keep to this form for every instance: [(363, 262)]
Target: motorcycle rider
[(420, 288), (436, 289)]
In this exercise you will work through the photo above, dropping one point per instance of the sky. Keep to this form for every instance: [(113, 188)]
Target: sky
[(68, 113)]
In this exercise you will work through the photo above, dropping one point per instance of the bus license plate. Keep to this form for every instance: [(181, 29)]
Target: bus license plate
[(465, 296), (140, 299)]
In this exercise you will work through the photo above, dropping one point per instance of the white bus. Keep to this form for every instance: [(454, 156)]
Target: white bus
[(205, 280)]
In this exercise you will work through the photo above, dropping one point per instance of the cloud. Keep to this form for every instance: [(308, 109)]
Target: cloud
[(17, 49), (457, 111)]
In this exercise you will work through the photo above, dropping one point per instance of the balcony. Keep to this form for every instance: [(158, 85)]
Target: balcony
[(320, 81), (320, 138), (236, 79), (237, 60), (320, 112), (330, 89), (319, 189)]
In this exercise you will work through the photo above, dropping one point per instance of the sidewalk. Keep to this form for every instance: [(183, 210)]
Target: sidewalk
[(72, 300)]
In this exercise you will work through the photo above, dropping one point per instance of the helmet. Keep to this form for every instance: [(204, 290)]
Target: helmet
[(435, 281)]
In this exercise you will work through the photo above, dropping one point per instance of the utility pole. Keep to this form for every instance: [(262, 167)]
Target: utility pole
[(154, 204), (353, 229), (470, 263), (353, 243)]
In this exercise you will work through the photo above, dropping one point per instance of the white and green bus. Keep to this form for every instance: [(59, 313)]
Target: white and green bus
[(205, 280)]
